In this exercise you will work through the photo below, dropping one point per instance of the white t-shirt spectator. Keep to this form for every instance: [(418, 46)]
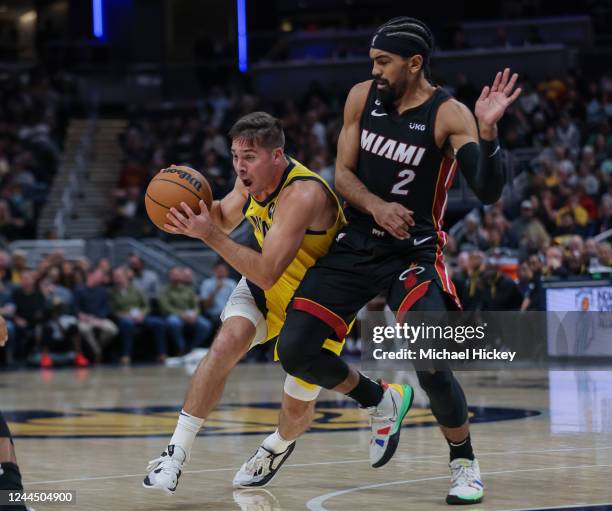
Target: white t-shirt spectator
[(207, 289)]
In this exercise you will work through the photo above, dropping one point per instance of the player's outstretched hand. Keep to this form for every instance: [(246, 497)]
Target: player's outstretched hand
[(494, 100), (394, 218), (188, 223), (3, 332)]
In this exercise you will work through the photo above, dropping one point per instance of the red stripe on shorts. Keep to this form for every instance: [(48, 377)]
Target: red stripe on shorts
[(411, 298), (324, 314)]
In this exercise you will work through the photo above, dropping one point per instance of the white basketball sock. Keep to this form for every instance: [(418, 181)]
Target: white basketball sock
[(186, 430), (276, 443)]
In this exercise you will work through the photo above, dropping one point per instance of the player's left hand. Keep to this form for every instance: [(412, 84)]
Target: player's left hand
[(494, 100), (188, 223)]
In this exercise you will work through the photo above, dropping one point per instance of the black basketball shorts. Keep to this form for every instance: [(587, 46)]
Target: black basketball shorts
[(359, 267)]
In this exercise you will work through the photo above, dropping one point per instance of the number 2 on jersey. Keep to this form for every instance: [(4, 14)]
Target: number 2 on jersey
[(399, 187)]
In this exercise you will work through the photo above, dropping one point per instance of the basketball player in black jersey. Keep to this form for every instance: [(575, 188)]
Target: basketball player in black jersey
[(10, 477), (400, 145)]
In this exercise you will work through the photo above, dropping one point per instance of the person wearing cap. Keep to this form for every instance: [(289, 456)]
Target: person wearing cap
[(528, 230)]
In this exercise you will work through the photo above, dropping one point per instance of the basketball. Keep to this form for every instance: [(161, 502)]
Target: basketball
[(172, 186)]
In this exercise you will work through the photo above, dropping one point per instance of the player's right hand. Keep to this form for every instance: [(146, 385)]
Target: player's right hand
[(394, 218), (3, 332)]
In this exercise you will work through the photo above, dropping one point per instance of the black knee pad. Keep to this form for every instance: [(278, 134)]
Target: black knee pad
[(301, 353), (293, 360), (298, 343), (437, 381), (447, 400)]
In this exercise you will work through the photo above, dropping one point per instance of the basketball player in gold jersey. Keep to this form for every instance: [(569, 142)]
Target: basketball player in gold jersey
[(295, 216)]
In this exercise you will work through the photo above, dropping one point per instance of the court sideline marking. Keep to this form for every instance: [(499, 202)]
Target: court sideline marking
[(336, 462), (316, 504)]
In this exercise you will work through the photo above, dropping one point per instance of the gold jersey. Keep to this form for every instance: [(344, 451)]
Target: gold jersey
[(314, 245)]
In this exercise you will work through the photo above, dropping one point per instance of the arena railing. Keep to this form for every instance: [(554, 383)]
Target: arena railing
[(604, 236), (156, 254), (328, 43), (290, 79)]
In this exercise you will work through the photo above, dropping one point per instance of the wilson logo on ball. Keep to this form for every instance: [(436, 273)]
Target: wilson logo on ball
[(170, 188), (184, 175)]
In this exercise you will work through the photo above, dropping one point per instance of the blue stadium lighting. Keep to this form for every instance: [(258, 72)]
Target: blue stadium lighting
[(98, 18), (242, 36)]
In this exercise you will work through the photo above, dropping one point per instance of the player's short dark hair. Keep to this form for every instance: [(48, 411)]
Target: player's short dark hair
[(415, 30), (260, 128)]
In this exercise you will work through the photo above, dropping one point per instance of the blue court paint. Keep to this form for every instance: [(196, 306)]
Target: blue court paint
[(242, 36), (98, 18)]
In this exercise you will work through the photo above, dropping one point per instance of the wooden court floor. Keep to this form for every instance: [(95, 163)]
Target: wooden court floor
[(544, 440)]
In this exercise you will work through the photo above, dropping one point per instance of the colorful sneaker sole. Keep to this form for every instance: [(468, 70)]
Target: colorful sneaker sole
[(408, 397)]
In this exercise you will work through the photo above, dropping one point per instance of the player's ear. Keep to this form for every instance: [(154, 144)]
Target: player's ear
[(415, 63), (277, 154)]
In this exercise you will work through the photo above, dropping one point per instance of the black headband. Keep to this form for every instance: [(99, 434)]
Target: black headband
[(403, 45)]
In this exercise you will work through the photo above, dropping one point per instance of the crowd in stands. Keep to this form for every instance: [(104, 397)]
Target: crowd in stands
[(80, 313), (34, 112), (555, 226)]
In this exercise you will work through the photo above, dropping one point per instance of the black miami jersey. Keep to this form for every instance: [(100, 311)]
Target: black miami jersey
[(400, 162)]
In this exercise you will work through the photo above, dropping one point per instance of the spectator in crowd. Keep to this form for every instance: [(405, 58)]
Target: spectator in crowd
[(604, 255), (144, 279), (459, 41), (178, 303), (469, 281), (19, 264), (529, 101), (60, 331), (129, 209), (502, 39), (604, 221), (553, 266), (471, 235), (497, 229), (528, 229), (566, 226), (575, 262), (29, 314), (590, 251), (215, 291), (499, 292), (130, 308), (71, 275), (104, 266), (568, 133), (33, 109), (465, 91), (11, 226), (530, 284), (60, 292), (5, 267), (92, 306)]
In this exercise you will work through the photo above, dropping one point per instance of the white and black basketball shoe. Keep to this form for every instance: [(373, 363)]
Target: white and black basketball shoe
[(259, 470), (165, 471)]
